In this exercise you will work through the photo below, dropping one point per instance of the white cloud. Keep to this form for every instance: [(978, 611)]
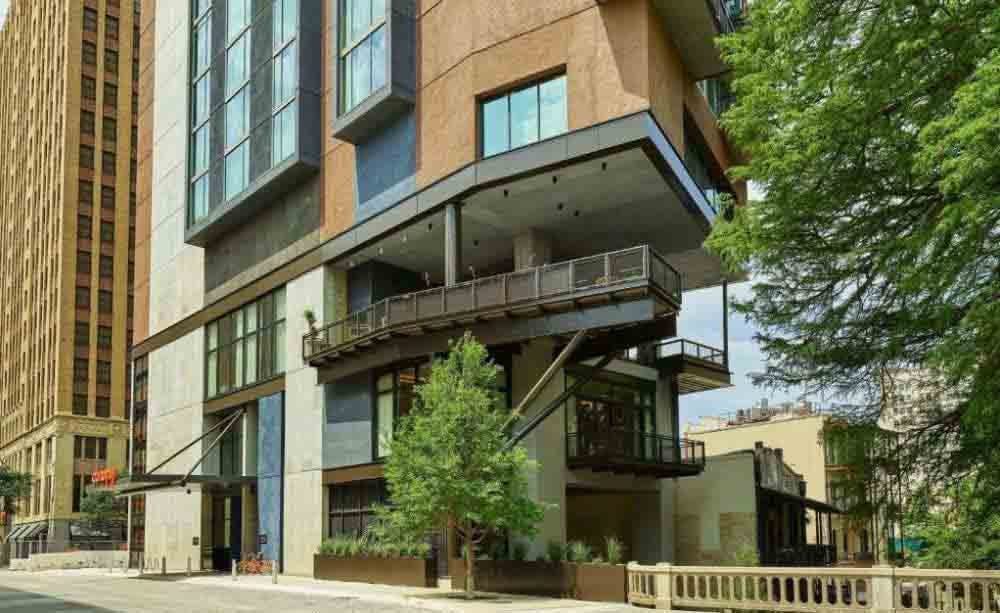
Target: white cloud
[(3, 11)]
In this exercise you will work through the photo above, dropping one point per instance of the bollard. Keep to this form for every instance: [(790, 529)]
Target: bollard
[(111, 564), (234, 571), (274, 571), (189, 566), (163, 565)]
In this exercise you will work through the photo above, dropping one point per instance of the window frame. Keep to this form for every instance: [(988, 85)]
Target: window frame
[(535, 83), (267, 339), (345, 47)]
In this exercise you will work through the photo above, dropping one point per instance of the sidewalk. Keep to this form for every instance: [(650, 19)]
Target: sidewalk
[(428, 599)]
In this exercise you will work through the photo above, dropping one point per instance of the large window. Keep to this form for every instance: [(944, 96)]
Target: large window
[(362, 50), (619, 410), (395, 396), (246, 346), (237, 130), (351, 506), (238, 14), (284, 87), (524, 116)]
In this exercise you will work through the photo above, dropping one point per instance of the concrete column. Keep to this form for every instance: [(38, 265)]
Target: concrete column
[(532, 248), (452, 243), (546, 444), (668, 423)]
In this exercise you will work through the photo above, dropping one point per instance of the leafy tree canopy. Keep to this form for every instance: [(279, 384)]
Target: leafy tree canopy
[(873, 129), (14, 485), (948, 530), (448, 465), (101, 506)]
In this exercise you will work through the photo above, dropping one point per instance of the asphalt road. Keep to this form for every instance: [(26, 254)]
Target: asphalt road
[(34, 592)]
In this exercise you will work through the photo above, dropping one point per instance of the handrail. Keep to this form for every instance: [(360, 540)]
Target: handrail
[(692, 349), (634, 445), (814, 590), (507, 289)]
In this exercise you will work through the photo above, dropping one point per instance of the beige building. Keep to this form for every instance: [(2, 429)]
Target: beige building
[(797, 430), (750, 502), (67, 133)]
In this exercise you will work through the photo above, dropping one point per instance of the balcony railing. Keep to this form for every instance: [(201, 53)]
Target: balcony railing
[(593, 274), (690, 349), (624, 449)]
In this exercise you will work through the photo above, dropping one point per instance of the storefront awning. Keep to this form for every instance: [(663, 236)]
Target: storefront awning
[(27, 532), (809, 503), (16, 532)]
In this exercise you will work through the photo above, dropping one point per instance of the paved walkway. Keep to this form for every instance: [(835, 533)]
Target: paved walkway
[(97, 590)]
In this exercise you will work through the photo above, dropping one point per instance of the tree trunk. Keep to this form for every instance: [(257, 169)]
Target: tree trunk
[(470, 568)]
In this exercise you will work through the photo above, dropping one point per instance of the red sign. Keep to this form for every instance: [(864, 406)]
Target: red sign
[(105, 476)]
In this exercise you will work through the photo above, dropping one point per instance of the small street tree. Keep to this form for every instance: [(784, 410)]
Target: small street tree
[(447, 464), (103, 511), (14, 486)]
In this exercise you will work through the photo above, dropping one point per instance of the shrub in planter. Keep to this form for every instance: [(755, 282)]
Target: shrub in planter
[(579, 552)]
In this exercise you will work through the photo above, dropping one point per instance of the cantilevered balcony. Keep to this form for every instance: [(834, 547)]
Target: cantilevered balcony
[(698, 367), (634, 452), (598, 292)]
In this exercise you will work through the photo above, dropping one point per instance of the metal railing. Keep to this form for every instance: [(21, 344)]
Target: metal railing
[(691, 349), (511, 289), (633, 447)]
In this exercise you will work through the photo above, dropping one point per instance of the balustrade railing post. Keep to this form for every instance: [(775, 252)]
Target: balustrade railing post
[(664, 586), (883, 590), (538, 282)]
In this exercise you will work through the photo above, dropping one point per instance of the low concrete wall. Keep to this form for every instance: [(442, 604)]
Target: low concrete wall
[(75, 559)]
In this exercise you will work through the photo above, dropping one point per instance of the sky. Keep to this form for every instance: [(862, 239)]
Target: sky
[(701, 320), (3, 10)]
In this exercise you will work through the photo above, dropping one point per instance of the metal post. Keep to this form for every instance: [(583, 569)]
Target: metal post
[(234, 572), (189, 566), (725, 322), (274, 571), (452, 243), (163, 565)]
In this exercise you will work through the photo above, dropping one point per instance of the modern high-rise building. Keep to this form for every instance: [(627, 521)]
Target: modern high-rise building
[(67, 212), (337, 189)]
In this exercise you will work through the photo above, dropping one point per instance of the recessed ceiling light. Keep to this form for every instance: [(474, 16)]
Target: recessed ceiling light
[(404, 238), (380, 251)]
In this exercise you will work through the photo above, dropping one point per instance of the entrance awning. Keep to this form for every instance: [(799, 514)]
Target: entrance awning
[(142, 483)]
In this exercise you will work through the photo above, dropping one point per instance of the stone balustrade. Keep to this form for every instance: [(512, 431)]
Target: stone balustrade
[(879, 590)]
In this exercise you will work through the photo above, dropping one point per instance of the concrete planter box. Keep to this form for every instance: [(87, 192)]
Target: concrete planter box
[(411, 572), (593, 582)]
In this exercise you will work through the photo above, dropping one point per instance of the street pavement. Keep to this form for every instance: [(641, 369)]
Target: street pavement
[(93, 590)]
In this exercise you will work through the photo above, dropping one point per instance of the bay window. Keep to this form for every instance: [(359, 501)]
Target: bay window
[(246, 346)]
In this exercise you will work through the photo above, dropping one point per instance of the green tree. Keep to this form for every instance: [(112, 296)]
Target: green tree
[(14, 486), (953, 530), (873, 130), (102, 509), (447, 464)]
